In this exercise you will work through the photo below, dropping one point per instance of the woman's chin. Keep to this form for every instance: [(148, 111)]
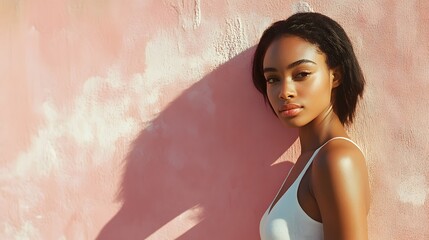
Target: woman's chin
[(291, 122)]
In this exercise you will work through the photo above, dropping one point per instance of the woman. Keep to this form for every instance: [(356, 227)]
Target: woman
[(306, 69)]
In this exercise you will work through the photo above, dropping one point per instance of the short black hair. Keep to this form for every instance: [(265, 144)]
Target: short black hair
[(333, 41)]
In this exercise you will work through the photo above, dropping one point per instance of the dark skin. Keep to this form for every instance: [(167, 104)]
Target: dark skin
[(335, 188)]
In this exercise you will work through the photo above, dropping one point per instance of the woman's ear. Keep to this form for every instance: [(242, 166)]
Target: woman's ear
[(337, 76)]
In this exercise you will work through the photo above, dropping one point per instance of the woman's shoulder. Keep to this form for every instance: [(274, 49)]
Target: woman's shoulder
[(340, 165), (340, 177), (339, 155)]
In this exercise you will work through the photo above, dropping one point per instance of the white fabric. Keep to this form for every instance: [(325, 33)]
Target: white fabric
[(287, 220)]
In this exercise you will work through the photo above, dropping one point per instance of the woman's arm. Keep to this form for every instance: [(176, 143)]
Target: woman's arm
[(340, 186)]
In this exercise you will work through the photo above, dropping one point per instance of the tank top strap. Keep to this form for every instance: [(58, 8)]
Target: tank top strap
[(348, 139), (307, 165)]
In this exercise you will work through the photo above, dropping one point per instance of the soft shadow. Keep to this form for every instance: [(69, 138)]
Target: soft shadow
[(212, 147)]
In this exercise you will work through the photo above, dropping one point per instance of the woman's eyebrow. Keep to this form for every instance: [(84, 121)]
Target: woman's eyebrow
[(270, 69), (294, 64)]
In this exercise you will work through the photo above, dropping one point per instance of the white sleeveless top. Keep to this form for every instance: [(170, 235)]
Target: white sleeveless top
[(287, 220)]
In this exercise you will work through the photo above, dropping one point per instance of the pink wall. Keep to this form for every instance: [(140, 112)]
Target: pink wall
[(137, 119)]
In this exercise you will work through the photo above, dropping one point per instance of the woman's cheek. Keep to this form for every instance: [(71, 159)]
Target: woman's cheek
[(271, 95)]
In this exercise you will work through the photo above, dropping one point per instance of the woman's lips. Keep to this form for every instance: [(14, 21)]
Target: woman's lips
[(290, 110)]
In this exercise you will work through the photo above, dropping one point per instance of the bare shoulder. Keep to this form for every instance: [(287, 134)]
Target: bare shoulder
[(340, 168), (339, 180), (339, 157), (340, 174)]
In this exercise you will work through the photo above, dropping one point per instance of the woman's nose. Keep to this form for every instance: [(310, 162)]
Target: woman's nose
[(287, 90)]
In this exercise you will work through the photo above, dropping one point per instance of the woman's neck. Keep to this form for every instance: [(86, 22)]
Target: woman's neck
[(320, 130)]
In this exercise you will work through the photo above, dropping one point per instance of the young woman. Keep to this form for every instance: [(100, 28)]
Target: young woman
[(306, 69)]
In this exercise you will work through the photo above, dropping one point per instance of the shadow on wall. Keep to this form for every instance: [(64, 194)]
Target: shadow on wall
[(211, 148)]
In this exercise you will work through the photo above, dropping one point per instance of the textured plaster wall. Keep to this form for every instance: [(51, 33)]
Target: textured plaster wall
[(137, 119)]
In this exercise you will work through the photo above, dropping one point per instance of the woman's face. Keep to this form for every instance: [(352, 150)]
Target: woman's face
[(299, 82)]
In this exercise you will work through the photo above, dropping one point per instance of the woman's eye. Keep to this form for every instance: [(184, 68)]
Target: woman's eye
[(302, 75), (271, 80)]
